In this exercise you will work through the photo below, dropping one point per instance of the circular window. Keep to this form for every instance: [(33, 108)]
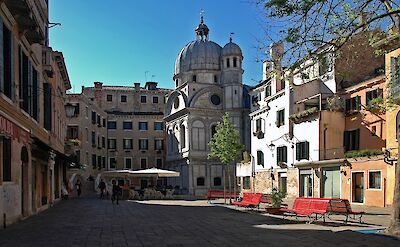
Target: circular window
[(215, 99), (176, 103)]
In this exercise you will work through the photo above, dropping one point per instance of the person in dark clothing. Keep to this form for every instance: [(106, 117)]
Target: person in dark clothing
[(78, 187), (102, 187), (115, 192)]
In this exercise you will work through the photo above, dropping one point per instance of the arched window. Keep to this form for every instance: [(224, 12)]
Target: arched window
[(215, 78), (235, 62), (228, 63), (198, 135), (200, 181), (217, 181), (213, 130), (183, 136), (194, 78)]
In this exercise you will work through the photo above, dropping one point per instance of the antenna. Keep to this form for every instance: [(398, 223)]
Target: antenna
[(201, 14)]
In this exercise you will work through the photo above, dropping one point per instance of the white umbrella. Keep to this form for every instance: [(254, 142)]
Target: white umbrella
[(115, 173), (155, 172)]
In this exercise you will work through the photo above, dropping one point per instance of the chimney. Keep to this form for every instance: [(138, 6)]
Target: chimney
[(276, 53), (137, 85), (98, 85)]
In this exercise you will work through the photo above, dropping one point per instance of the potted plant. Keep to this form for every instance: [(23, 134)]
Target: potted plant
[(276, 201)]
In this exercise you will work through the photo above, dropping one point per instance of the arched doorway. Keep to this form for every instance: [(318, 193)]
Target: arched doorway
[(24, 179)]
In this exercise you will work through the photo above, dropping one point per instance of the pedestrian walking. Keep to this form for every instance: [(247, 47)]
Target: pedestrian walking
[(102, 187), (115, 192), (78, 186)]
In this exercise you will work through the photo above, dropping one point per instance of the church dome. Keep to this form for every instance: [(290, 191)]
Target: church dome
[(200, 54), (231, 49)]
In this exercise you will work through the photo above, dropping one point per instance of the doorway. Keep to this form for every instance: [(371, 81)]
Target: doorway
[(24, 180), (306, 183), (282, 182), (331, 182), (358, 187)]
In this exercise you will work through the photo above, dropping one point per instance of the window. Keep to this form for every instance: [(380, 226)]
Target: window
[(158, 144), (128, 143), (99, 162), (93, 117), (217, 181), (200, 181), (280, 118), (213, 130), (113, 163), (94, 164), (260, 158), (143, 99), (123, 98), (323, 66), (268, 90), (143, 144), (127, 125), (47, 103), (87, 112), (215, 99), (87, 134), (98, 120), (104, 122), (176, 103), (103, 142), (143, 163), (143, 125), (258, 125), (112, 143), (128, 163), (228, 63), (280, 85), (109, 97), (104, 162), (246, 182), (375, 179), (353, 104), (215, 78), (112, 125), (194, 78), (93, 138), (351, 140), (159, 163), (235, 62), (158, 126), (302, 150), (255, 98), (373, 94), (72, 132), (155, 99), (281, 154), (6, 159), (8, 68)]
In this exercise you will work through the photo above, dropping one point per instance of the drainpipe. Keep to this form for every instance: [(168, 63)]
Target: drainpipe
[(325, 129)]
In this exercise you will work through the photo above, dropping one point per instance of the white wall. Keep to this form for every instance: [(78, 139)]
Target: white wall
[(308, 131)]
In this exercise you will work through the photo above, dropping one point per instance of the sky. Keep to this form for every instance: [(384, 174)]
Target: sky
[(117, 41)]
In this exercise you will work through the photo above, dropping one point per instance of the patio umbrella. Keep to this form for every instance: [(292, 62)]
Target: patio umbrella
[(155, 172), (115, 173)]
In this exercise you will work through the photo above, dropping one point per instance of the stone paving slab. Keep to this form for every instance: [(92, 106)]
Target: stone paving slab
[(93, 222)]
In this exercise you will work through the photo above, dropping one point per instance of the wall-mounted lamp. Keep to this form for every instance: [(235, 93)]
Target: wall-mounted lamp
[(271, 146)]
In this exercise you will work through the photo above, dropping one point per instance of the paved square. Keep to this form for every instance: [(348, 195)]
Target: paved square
[(93, 222)]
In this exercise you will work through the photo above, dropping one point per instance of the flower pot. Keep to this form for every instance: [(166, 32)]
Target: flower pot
[(272, 210)]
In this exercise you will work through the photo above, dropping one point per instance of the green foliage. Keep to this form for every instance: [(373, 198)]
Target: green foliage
[(225, 144), (363, 153), (277, 197), (376, 105), (303, 114)]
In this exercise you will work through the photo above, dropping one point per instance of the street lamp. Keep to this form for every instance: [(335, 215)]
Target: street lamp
[(69, 110), (271, 146)]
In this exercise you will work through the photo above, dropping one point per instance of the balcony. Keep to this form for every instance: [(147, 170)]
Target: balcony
[(303, 115)]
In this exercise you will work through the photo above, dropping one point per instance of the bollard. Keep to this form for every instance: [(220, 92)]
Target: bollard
[(4, 221)]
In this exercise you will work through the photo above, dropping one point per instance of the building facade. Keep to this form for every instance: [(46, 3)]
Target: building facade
[(135, 136), (32, 89), (208, 83)]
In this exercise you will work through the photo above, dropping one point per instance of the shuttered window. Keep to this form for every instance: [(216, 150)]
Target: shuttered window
[(280, 117), (373, 94), (351, 140), (47, 102), (281, 154), (302, 150), (353, 104), (7, 63)]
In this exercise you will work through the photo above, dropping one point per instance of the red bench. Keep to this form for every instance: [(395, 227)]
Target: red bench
[(308, 207), (216, 194), (343, 207), (249, 200)]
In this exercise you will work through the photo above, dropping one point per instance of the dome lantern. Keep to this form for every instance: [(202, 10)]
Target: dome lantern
[(202, 30)]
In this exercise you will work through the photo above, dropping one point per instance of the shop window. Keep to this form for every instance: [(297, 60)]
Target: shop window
[(375, 179)]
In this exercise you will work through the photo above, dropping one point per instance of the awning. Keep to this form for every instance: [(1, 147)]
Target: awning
[(151, 172), (321, 163)]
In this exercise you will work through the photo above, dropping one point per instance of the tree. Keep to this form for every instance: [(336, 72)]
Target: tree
[(305, 26), (225, 144)]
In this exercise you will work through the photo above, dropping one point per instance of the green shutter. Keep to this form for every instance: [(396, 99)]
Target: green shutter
[(298, 155), (307, 150), (284, 154)]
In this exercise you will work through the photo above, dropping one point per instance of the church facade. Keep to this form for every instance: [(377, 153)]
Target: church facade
[(208, 83)]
